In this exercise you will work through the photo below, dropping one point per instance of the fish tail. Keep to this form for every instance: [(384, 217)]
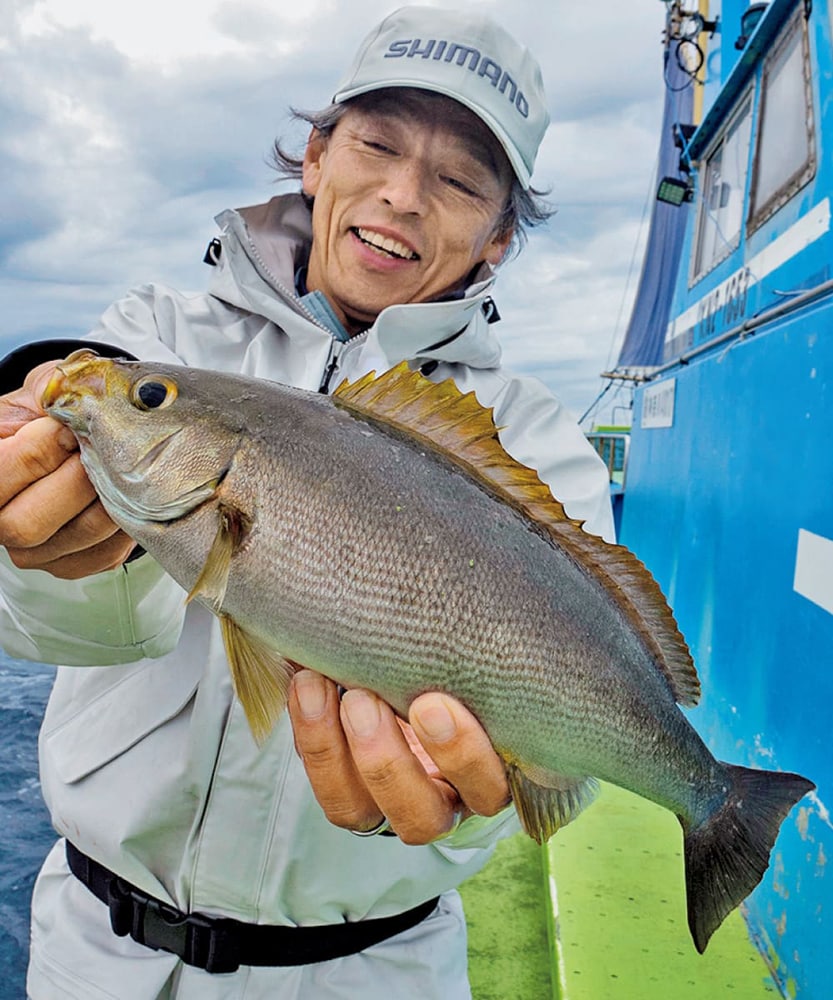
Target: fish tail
[(727, 854)]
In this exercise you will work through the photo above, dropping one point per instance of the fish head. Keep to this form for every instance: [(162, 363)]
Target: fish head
[(151, 450)]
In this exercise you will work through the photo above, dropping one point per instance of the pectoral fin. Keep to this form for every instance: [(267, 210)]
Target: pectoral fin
[(260, 676), (212, 582), (545, 803)]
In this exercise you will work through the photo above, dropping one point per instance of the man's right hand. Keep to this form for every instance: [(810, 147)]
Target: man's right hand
[(50, 516)]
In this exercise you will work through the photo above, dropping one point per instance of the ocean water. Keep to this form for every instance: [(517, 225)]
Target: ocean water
[(25, 831)]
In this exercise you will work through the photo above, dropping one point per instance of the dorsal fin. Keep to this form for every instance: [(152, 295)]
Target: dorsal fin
[(464, 432)]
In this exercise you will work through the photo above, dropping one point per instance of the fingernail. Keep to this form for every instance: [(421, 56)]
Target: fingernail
[(67, 440), (361, 712), (311, 692), (437, 722)]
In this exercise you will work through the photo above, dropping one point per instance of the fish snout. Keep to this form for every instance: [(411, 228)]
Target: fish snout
[(55, 389), (82, 373)]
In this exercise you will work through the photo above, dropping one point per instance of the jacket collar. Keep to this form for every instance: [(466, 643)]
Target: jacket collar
[(263, 245)]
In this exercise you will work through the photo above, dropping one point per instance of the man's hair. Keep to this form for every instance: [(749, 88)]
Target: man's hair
[(523, 209)]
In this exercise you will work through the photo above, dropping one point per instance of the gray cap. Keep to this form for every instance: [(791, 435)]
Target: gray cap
[(467, 57)]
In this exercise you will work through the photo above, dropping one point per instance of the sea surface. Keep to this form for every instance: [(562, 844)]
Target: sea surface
[(25, 831)]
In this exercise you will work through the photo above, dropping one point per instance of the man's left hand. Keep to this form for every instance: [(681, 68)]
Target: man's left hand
[(365, 764)]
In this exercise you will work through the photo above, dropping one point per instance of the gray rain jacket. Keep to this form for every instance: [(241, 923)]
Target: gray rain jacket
[(147, 762)]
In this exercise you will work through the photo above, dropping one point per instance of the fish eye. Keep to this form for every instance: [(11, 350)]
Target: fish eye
[(153, 392)]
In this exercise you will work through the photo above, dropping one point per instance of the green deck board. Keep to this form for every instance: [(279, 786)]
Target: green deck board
[(506, 908), (621, 916), (620, 930)]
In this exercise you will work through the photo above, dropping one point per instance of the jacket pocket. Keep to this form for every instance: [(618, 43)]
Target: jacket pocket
[(97, 713)]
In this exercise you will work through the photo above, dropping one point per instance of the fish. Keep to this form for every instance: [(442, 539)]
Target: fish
[(384, 538)]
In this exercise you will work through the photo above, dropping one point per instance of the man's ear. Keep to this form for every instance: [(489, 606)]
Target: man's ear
[(496, 250), (311, 170)]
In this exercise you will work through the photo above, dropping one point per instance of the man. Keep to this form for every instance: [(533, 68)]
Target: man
[(415, 183)]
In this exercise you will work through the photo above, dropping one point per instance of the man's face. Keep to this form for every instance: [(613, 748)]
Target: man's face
[(405, 206)]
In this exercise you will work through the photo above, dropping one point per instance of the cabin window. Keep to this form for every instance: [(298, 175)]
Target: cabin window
[(613, 451), (724, 176), (785, 155)]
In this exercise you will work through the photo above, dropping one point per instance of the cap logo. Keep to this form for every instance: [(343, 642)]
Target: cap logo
[(463, 55)]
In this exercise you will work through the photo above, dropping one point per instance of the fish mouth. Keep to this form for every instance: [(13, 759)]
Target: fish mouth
[(64, 390), (53, 391)]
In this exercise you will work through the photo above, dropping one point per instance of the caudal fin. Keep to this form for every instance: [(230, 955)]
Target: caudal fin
[(726, 856)]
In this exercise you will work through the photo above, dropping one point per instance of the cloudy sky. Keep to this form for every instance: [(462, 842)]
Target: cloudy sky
[(125, 127)]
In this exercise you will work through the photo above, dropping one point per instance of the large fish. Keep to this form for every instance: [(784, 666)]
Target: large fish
[(384, 538)]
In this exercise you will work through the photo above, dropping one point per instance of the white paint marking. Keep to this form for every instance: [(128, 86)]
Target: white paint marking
[(801, 234), (658, 404), (559, 973), (814, 569)]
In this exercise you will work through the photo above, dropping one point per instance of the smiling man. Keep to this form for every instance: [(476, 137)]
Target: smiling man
[(409, 193), (193, 863)]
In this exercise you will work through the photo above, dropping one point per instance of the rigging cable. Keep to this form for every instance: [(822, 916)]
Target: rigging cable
[(636, 243), (595, 403)]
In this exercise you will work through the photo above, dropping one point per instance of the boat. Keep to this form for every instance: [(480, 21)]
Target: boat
[(728, 495), (611, 443)]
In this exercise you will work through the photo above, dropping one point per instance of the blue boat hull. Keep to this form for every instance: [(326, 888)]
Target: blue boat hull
[(728, 507)]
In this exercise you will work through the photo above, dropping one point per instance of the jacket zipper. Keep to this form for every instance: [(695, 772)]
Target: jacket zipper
[(338, 349), (335, 351), (329, 368), (279, 286)]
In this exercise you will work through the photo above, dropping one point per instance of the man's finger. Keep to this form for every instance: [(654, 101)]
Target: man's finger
[(23, 405), (88, 530), (322, 746), (458, 744), (420, 808), (34, 515), (36, 450), (108, 554)]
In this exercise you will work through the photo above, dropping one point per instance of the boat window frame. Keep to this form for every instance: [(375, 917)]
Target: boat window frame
[(618, 443), (789, 187), (744, 107)]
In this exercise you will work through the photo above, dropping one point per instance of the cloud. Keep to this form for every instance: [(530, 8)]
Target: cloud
[(125, 128), (570, 330)]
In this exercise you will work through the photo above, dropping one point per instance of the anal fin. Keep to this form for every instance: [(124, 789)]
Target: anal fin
[(260, 676), (545, 808)]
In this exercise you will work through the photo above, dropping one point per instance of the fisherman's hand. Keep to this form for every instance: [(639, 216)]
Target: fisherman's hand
[(50, 516), (365, 764)]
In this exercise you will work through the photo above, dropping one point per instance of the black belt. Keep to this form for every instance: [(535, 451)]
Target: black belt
[(221, 944)]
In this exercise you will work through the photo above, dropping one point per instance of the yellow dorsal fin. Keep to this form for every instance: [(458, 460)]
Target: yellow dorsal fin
[(458, 427)]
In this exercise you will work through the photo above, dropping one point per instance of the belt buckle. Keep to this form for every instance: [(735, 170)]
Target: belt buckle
[(210, 945), (198, 940)]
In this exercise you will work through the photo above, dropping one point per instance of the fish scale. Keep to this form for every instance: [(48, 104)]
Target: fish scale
[(384, 538)]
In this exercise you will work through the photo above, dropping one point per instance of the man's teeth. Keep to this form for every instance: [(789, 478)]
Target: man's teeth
[(386, 243)]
